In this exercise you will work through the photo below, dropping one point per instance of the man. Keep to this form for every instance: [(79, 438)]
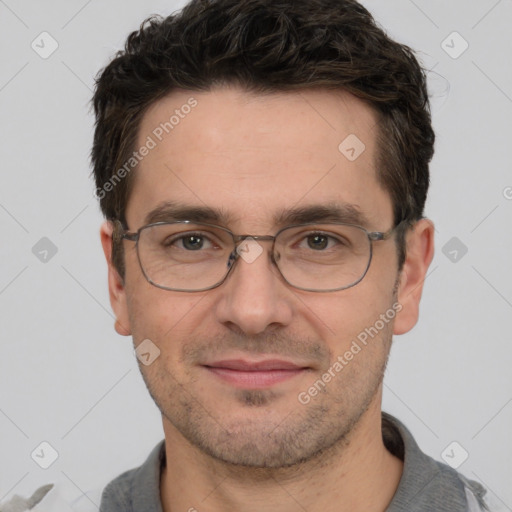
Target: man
[(263, 169)]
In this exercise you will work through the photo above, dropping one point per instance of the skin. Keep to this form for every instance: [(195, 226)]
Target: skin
[(235, 449)]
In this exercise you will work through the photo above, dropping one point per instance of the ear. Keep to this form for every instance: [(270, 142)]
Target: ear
[(419, 254), (116, 287)]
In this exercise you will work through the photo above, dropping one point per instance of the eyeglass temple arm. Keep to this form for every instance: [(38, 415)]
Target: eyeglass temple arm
[(121, 232), (375, 236)]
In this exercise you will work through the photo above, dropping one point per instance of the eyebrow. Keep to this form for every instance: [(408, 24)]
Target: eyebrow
[(171, 211), (330, 212)]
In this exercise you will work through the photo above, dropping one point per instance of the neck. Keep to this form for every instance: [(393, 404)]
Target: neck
[(357, 474)]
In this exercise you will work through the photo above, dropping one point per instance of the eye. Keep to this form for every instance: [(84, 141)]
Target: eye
[(189, 242), (320, 241), (193, 242), (317, 242)]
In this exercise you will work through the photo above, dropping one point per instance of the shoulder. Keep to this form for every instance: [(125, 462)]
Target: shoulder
[(116, 495), (136, 487), (427, 484)]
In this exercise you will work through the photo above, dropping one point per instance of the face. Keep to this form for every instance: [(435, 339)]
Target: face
[(256, 372)]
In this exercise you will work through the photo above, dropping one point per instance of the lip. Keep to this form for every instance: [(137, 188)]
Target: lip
[(256, 374)]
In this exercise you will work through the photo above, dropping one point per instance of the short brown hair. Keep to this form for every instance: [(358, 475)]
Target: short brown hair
[(268, 46)]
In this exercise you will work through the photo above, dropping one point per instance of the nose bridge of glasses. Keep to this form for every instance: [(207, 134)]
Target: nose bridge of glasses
[(257, 238), (239, 241)]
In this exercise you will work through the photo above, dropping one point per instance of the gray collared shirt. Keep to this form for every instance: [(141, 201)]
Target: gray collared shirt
[(425, 486)]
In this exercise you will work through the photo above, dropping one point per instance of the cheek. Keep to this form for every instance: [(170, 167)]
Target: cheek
[(342, 316), (154, 313), (167, 318)]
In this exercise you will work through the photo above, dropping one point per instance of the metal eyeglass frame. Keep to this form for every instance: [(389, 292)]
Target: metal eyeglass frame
[(373, 236)]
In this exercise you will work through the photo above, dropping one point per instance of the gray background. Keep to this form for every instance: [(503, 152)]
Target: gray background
[(68, 379)]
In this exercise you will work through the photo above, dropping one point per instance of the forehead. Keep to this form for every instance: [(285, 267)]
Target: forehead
[(252, 155)]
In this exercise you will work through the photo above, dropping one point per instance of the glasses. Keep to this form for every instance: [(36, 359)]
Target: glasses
[(191, 256)]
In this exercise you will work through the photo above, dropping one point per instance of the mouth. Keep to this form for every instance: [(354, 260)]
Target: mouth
[(255, 375)]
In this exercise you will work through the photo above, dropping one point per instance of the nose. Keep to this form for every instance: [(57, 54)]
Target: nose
[(254, 296)]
